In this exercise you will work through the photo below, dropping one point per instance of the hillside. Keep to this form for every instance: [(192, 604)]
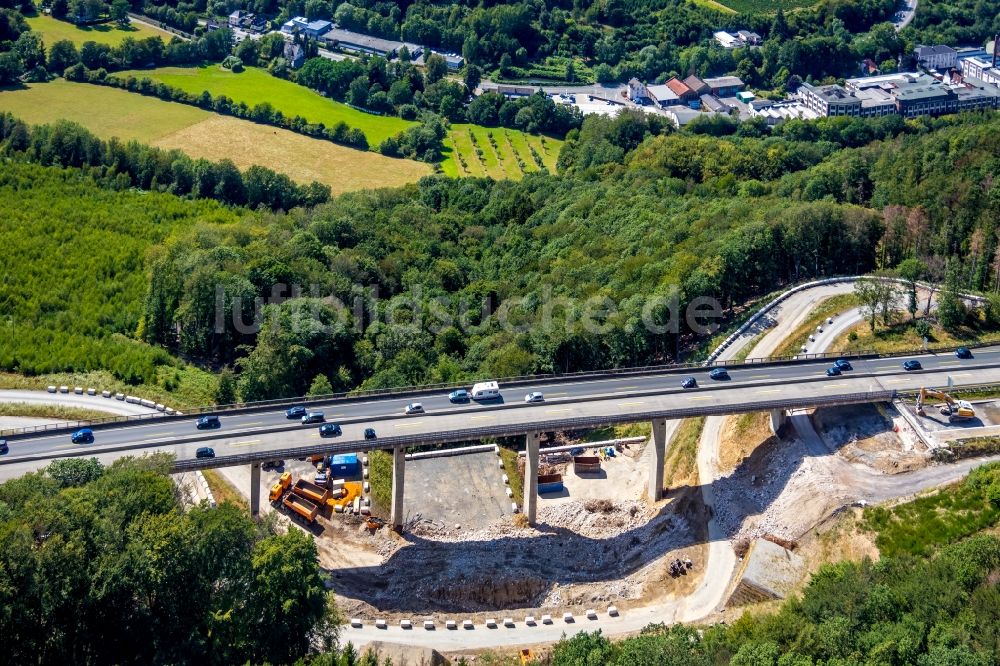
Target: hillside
[(75, 280)]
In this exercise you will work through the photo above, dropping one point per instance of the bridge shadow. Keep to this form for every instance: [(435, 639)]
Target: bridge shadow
[(512, 571)]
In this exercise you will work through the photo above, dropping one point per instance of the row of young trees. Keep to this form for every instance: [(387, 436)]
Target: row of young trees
[(133, 164)]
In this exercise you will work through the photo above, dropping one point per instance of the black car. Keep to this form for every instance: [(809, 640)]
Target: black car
[(205, 452), (843, 364), (719, 373), (272, 464), (369, 433), (689, 383), (208, 422), (963, 352), (833, 371), (296, 412), (3, 447), (912, 364), (330, 430)]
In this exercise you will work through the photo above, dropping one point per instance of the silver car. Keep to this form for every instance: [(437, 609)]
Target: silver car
[(534, 396), (414, 408)]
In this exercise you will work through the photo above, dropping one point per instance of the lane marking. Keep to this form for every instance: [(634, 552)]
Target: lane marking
[(830, 386), (556, 411), (409, 424), (479, 418), (886, 367), (770, 391), (627, 404), (699, 397), (626, 388), (246, 443), (255, 423), (758, 376), (961, 374)]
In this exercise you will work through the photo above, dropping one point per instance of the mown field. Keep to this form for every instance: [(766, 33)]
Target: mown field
[(510, 158), (111, 112), (497, 152), (53, 30), (255, 86)]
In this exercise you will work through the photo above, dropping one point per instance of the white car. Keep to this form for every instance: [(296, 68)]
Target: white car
[(414, 408), (534, 396)]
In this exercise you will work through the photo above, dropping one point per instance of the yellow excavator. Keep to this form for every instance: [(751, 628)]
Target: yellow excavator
[(955, 410)]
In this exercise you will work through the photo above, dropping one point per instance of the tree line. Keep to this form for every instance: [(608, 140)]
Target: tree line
[(132, 164)]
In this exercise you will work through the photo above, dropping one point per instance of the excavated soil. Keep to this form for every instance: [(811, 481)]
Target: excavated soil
[(867, 435)]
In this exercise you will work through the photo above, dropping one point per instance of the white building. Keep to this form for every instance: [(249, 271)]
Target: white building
[(981, 69), (936, 57)]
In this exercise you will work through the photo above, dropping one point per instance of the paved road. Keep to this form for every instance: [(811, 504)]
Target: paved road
[(94, 402), (615, 398), (910, 8)]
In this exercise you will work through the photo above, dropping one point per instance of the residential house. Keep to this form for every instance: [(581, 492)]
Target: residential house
[(869, 68), (749, 38), (236, 17), (638, 93), (294, 54), (681, 116), (662, 95), (508, 91)]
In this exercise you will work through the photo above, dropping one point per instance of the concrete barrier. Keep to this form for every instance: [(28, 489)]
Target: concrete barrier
[(467, 624), (591, 614), (356, 622), (546, 619), (78, 390), (405, 624), (91, 391), (451, 624), (530, 620), (508, 622), (613, 611), (491, 623), (119, 396), (381, 624), (105, 394), (568, 617), (51, 389), (429, 625), (64, 389)]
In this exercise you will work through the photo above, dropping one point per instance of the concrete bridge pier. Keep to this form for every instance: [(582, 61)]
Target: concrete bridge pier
[(255, 489), (657, 459), (396, 515), (778, 418), (531, 446)]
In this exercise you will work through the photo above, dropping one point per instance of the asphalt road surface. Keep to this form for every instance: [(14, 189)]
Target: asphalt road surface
[(565, 399)]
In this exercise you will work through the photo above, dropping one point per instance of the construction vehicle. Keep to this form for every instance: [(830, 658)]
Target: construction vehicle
[(300, 505), (279, 488), (310, 491), (526, 656), (955, 410)]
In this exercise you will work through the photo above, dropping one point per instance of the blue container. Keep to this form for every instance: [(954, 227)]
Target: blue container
[(554, 487), (344, 465)]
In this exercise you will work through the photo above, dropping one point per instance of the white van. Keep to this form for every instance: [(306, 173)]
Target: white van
[(485, 391)]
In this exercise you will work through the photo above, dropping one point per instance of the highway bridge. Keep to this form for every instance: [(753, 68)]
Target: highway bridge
[(253, 435)]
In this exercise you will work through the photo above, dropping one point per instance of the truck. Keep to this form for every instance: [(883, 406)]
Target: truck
[(311, 491), (301, 506), (279, 488)]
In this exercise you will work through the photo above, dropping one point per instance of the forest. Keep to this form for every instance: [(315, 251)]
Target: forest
[(500, 275), (450, 280), (102, 565)]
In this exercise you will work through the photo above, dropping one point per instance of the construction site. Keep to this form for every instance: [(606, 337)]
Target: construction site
[(740, 522)]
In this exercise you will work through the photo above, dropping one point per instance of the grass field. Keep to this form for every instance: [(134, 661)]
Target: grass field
[(53, 30), (471, 152), (254, 86), (111, 112)]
